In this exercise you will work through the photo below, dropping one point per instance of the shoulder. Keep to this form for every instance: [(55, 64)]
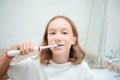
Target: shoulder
[(83, 67), (84, 64), (85, 70)]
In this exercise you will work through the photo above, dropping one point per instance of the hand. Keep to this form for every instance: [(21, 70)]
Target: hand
[(25, 47)]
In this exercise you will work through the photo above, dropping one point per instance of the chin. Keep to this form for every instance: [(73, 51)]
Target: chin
[(58, 52)]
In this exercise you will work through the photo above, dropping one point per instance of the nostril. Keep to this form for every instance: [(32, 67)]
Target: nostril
[(57, 40)]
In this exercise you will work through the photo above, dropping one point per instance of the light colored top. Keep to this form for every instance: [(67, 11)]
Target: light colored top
[(31, 69)]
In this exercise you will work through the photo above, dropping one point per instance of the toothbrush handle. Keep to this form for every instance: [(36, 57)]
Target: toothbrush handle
[(13, 53)]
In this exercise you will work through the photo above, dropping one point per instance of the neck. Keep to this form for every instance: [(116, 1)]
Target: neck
[(59, 59)]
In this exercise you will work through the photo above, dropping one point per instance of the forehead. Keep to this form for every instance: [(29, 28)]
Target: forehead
[(59, 23)]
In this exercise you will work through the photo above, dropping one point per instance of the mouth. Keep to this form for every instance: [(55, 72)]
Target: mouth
[(59, 45)]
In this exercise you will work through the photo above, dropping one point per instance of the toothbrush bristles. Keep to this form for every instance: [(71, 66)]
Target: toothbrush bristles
[(58, 45)]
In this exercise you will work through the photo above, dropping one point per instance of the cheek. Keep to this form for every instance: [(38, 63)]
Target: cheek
[(70, 40), (67, 41), (50, 39)]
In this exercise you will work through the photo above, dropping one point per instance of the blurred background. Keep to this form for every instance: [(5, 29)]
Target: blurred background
[(97, 21)]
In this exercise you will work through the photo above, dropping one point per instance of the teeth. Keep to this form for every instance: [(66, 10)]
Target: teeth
[(59, 45)]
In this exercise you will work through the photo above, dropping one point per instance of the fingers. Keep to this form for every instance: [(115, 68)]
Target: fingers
[(14, 47), (25, 47)]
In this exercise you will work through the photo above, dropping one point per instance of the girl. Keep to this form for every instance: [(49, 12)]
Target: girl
[(64, 62)]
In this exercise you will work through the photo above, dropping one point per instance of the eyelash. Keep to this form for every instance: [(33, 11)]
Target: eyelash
[(55, 33), (64, 33), (52, 33)]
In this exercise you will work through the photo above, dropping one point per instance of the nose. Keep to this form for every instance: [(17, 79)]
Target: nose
[(57, 38)]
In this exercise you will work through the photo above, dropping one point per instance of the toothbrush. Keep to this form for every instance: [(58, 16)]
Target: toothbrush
[(16, 52)]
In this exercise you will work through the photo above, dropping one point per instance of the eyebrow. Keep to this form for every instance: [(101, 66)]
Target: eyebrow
[(51, 29), (54, 29)]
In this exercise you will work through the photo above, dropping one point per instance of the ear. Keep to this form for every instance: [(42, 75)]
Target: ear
[(74, 40)]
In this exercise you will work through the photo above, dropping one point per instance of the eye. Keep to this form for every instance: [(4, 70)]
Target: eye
[(52, 33), (64, 33)]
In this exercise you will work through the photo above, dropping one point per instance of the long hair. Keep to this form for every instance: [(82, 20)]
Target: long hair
[(77, 54)]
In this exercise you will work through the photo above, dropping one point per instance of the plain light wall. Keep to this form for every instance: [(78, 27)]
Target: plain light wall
[(112, 21), (22, 20)]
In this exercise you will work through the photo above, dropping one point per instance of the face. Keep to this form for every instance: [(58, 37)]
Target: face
[(60, 32)]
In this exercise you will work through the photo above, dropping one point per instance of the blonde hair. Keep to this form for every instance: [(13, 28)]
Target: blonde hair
[(77, 54)]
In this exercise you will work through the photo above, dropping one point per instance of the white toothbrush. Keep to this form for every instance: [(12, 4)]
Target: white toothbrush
[(13, 53)]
